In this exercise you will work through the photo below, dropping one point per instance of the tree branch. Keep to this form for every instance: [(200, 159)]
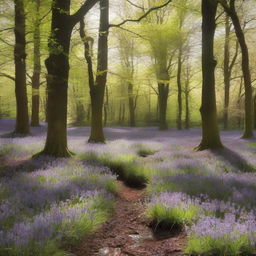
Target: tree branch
[(135, 5), (77, 16), (141, 17), (7, 76)]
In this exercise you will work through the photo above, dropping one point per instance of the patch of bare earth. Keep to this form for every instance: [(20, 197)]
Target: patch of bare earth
[(127, 232)]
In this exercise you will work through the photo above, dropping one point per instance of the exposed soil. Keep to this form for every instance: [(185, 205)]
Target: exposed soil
[(127, 233)]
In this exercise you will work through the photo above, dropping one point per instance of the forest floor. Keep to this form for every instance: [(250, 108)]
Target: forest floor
[(178, 176), (127, 233)]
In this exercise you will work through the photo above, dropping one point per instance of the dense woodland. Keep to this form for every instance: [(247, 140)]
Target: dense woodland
[(145, 105)]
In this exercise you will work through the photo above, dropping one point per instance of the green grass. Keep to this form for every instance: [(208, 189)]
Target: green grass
[(124, 166), (222, 246), (144, 151), (176, 217), (251, 144)]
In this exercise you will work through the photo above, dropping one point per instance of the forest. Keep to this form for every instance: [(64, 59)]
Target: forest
[(127, 128)]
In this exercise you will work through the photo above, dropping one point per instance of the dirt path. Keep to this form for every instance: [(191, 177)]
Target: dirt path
[(127, 232)]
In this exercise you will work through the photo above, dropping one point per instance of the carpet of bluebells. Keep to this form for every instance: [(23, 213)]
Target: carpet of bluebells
[(210, 194)]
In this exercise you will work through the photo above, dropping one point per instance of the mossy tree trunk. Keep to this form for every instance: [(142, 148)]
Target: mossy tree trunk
[(22, 117), (57, 65), (163, 94), (210, 131), (37, 69), (132, 105)]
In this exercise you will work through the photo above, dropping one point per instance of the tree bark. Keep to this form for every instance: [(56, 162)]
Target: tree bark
[(254, 103), (179, 115), (231, 11), (187, 107), (57, 65), (227, 73), (163, 94), (106, 107), (37, 69), (132, 105), (210, 131), (98, 87), (22, 117)]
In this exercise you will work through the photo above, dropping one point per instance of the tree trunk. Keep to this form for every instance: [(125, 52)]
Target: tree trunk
[(210, 131), (227, 73), (239, 99), (37, 69), (123, 114), (98, 90), (22, 117), (106, 106), (57, 65), (179, 115), (187, 113), (248, 131), (131, 105), (254, 112), (163, 94)]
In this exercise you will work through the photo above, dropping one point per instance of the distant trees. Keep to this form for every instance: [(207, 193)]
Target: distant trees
[(181, 15), (22, 117), (163, 45), (210, 130), (127, 55)]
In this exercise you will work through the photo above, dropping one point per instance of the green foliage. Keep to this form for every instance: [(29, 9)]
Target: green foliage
[(124, 166), (175, 217), (144, 151), (209, 246)]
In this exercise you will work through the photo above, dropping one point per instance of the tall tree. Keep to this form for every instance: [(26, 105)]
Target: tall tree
[(182, 12), (127, 58), (227, 70), (37, 67), (22, 117), (98, 86), (210, 130), (230, 8), (57, 65)]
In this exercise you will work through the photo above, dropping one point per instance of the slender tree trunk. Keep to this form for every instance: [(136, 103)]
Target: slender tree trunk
[(22, 117), (254, 102), (187, 116), (179, 115), (239, 99), (163, 94), (248, 131), (37, 69), (106, 106), (123, 114), (210, 131), (227, 73), (187, 109), (120, 113), (131, 105), (98, 90)]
